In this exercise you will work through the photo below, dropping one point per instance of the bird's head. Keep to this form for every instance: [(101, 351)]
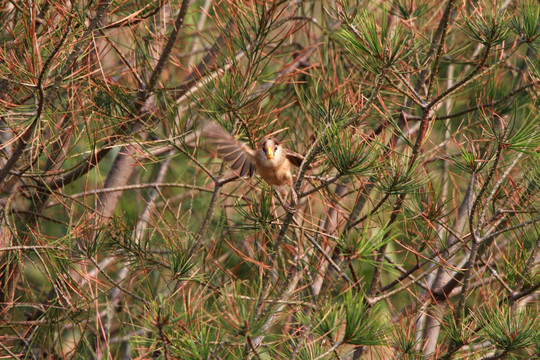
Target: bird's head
[(270, 147)]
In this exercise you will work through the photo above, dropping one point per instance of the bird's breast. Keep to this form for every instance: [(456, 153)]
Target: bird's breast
[(274, 172)]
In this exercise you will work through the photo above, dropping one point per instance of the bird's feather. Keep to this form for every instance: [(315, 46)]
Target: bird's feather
[(230, 149), (295, 158)]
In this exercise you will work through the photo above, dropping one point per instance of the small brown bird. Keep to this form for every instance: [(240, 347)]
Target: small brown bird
[(271, 160)]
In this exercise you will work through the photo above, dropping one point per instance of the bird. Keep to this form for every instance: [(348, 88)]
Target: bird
[(270, 160)]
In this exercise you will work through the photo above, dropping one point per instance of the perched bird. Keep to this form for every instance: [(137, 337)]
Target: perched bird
[(271, 160)]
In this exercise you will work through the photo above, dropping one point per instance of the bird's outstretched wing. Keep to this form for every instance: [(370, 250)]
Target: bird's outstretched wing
[(295, 158), (229, 149)]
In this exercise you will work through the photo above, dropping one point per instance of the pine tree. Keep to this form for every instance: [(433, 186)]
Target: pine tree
[(416, 232)]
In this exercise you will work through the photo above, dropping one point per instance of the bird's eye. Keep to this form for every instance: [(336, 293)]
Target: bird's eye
[(275, 148)]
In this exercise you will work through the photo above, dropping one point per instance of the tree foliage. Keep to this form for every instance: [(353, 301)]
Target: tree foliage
[(416, 234)]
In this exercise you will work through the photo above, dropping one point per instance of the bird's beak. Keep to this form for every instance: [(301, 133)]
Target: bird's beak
[(269, 153)]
